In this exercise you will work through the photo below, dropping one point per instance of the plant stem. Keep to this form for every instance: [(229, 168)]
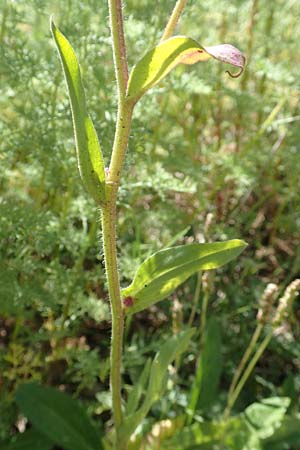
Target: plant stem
[(119, 47), (245, 79), (247, 373), (204, 307), (170, 27), (109, 213), (120, 143), (109, 216), (196, 299), (244, 360), (268, 33), (250, 42)]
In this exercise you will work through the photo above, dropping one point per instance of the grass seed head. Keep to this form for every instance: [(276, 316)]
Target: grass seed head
[(285, 303), (266, 303)]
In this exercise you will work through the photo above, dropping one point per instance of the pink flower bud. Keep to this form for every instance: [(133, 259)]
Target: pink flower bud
[(128, 301)]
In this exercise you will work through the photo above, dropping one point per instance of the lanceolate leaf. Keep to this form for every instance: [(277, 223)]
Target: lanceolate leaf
[(90, 160), (173, 347), (160, 274), (58, 416), (138, 389), (159, 61)]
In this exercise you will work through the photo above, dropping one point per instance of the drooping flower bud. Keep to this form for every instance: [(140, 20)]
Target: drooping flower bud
[(266, 302), (285, 303)]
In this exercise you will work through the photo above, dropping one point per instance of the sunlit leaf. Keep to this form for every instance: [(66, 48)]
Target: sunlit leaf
[(58, 416), (163, 272), (159, 61), (266, 416), (89, 155)]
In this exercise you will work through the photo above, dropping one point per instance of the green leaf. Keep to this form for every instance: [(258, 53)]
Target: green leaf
[(138, 389), (170, 350), (288, 433), (89, 155), (163, 272), (28, 440), (58, 416), (159, 61), (173, 347), (233, 434), (199, 435), (208, 371), (266, 416)]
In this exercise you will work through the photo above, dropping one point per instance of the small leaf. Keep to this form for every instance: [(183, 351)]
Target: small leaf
[(58, 416), (163, 272), (89, 155), (267, 415), (159, 61), (170, 350)]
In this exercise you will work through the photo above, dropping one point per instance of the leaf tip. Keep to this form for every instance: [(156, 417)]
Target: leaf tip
[(240, 243)]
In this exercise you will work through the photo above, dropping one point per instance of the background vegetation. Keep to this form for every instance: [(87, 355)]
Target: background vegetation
[(210, 158)]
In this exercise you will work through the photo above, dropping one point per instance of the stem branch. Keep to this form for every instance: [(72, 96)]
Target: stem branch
[(170, 27), (120, 142), (118, 44)]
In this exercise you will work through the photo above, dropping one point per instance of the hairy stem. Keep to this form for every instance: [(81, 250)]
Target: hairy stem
[(170, 27), (119, 47), (120, 143), (247, 373), (110, 255), (109, 213)]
